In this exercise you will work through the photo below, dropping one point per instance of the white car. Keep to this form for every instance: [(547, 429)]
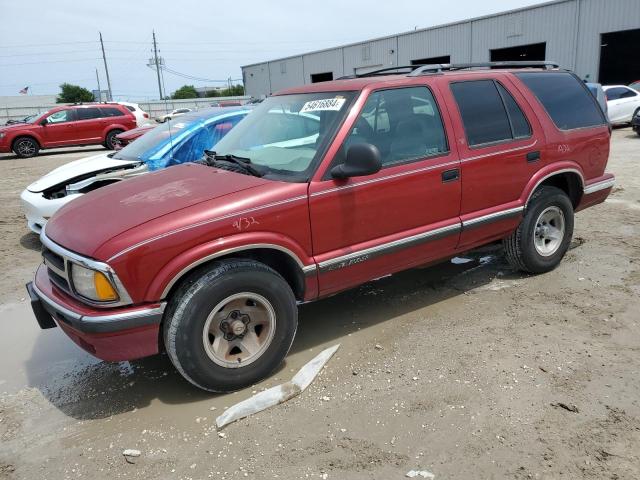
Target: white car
[(44, 197), (623, 103), (176, 113), (142, 117), (169, 144)]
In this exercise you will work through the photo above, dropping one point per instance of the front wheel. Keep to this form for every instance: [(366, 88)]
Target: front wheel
[(25, 147), (110, 141), (231, 325), (543, 237)]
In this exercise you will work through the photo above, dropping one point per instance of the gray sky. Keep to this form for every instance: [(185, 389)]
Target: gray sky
[(44, 43)]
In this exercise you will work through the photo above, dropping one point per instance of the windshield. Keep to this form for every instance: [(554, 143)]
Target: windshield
[(178, 140), (288, 134)]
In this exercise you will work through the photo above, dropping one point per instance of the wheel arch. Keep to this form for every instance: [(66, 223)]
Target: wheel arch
[(280, 258), (26, 135), (570, 180)]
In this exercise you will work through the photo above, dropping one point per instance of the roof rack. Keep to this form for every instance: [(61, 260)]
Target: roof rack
[(437, 68), (416, 70)]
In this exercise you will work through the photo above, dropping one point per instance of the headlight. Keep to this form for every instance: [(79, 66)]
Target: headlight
[(2, 134), (92, 284)]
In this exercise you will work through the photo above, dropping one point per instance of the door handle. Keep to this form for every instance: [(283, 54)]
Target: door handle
[(533, 156), (450, 175)]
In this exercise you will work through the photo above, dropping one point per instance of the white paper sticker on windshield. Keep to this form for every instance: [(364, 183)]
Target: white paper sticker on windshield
[(324, 104)]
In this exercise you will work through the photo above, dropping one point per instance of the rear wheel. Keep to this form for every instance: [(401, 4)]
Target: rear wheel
[(230, 325), (542, 238), (25, 147), (110, 140)]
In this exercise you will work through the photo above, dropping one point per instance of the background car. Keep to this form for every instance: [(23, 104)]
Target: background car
[(635, 85), (172, 143), (623, 103), (142, 117), (72, 125), (175, 113), (598, 92), (125, 138)]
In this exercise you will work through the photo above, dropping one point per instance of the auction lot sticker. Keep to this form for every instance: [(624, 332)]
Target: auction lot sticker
[(324, 104)]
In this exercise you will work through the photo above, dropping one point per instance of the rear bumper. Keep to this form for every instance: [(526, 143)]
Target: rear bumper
[(596, 191), (113, 335)]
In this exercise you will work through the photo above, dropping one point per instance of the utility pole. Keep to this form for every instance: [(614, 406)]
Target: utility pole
[(155, 56), (99, 89), (106, 69)]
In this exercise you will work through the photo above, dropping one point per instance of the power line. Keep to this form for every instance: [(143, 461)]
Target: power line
[(46, 44)]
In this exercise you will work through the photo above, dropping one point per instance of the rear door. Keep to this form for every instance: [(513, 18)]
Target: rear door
[(405, 215), (501, 146), (89, 125)]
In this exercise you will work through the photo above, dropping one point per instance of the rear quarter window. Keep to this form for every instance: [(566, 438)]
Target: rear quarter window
[(566, 99), (111, 112)]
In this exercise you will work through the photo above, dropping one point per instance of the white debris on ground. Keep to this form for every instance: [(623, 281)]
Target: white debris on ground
[(419, 473), (131, 453), (460, 260), (280, 393)]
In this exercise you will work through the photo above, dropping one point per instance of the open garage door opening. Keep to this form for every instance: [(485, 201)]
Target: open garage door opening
[(321, 77), (531, 52), (432, 60), (619, 57)]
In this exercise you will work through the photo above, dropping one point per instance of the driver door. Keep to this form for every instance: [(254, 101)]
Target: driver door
[(405, 215), (58, 129)]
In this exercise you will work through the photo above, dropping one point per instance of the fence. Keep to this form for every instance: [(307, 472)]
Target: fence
[(154, 109)]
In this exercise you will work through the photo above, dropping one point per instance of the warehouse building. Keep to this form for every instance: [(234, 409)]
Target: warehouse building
[(598, 39)]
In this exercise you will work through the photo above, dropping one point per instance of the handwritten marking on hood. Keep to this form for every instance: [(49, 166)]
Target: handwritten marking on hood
[(162, 193)]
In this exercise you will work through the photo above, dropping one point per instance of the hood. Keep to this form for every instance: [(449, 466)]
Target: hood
[(93, 219), (17, 126), (136, 132), (78, 168)]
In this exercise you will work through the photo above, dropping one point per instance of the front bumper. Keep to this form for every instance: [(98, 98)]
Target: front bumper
[(114, 335), (38, 209)]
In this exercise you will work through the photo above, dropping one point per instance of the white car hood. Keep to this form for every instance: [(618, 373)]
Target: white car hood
[(76, 169)]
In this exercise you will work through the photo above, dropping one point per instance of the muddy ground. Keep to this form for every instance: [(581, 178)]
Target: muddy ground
[(482, 372)]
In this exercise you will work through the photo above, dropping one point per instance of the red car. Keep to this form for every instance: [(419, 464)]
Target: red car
[(65, 126), (319, 189), (125, 138)]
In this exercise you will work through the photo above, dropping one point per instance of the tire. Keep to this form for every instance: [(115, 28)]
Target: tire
[(109, 141), (25, 147), (544, 234), (241, 294)]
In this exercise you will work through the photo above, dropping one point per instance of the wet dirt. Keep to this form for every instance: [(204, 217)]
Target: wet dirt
[(473, 361)]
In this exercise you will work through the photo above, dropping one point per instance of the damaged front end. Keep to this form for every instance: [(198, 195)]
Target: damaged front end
[(90, 182)]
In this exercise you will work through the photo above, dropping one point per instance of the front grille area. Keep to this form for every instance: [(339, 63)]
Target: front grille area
[(57, 269), (58, 280)]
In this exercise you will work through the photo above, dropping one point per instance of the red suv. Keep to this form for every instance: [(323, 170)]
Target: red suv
[(321, 188), (67, 126)]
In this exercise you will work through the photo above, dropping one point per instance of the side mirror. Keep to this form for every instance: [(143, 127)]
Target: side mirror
[(43, 122), (362, 159)]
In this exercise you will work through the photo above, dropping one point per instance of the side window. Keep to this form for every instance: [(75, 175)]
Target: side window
[(520, 127), (60, 117), (565, 98), (628, 93), (483, 113), (130, 108), (111, 112), (403, 123), (614, 93), (87, 113)]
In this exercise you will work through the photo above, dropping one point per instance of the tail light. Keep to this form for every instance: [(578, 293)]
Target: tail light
[(145, 115)]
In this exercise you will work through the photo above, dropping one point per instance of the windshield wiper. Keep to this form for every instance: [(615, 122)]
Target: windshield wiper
[(239, 163)]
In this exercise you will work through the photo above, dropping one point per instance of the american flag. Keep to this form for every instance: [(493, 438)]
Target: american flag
[(24, 91)]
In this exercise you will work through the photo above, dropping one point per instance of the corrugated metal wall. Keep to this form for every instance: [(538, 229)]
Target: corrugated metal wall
[(598, 17), (553, 24), (453, 40), (571, 30)]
